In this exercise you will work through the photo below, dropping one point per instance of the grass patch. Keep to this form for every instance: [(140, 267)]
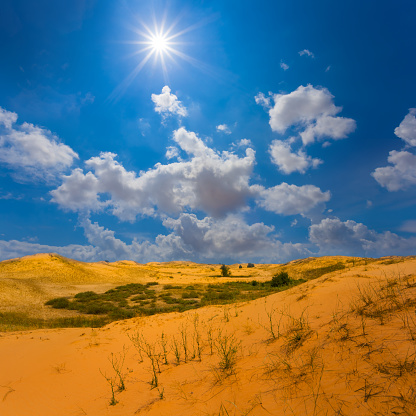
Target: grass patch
[(13, 321), (135, 299), (320, 271)]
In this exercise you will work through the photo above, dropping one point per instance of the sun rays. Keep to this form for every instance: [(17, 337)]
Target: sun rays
[(159, 45)]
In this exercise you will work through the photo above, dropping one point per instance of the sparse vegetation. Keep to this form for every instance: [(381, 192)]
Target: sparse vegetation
[(320, 271), (14, 321), (136, 299)]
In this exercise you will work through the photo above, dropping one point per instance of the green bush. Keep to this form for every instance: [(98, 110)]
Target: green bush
[(225, 271), (86, 296), (58, 303), (250, 265), (280, 279)]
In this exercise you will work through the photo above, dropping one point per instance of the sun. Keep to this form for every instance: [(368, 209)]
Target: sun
[(159, 43)]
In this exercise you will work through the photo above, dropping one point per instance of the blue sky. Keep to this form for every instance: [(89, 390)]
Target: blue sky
[(207, 131)]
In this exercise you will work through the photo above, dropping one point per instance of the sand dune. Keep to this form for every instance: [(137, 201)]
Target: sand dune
[(341, 344)]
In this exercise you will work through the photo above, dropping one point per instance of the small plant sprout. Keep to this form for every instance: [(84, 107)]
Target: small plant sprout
[(184, 340), (112, 381), (226, 311), (227, 348), (210, 339), (163, 343), (197, 338), (176, 350), (138, 342), (116, 382)]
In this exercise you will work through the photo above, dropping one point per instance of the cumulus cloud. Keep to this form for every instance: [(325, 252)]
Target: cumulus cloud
[(232, 237), (289, 162), (288, 199), (311, 110), (333, 236), (167, 103), (7, 118), (216, 183), (224, 129), (307, 53), (328, 126), (31, 151), (284, 66), (79, 192), (407, 128), (207, 239), (400, 175), (14, 248)]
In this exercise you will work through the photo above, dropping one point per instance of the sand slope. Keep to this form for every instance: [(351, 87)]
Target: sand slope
[(341, 344)]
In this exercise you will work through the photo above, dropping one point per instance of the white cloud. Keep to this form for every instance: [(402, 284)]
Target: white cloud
[(306, 52), (14, 248), (407, 128), (328, 126), (409, 226), (166, 103), (7, 118), (328, 68), (333, 236), (402, 172), (172, 152), (288, 199), (33, 152), (233, 238), (245, 143), (224, 129), (289, 162), (284, 66), (78, 192), (262, 100), (207, 239), (400, 175), (311, 109), (209, 181)]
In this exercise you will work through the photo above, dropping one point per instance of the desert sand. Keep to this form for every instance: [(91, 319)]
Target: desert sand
[(340, 344)]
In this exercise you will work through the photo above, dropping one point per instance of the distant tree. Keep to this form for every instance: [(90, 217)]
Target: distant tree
[(250, 265), (225, 271), (240, 266), (280, 279)]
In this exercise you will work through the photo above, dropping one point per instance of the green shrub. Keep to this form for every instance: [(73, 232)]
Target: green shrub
[(254, 283), (225, 271), (280, 279), (97, 308), (192, 294), (250, 265), (58, 303), (86, 296)]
